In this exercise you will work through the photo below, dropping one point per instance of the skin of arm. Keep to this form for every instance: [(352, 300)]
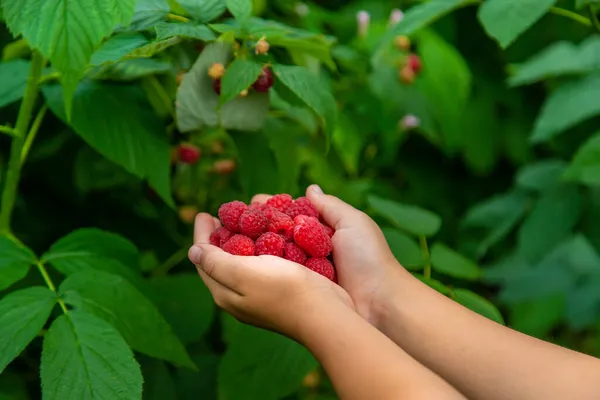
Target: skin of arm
[(285, 297), (482, 359)]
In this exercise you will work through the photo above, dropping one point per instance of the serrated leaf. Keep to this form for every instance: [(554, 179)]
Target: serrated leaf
[(204, 10), (115, 300), (148, 12), (585, 167), (118, 123), (130, 69), (186, 304), (412, 219), (311, 91), (315, 47), (506, 20), (448, 262), (83, 357), (256, 358), (569, 105), (240, 75), (66, 32), (550, 222), (479, 304), (405, 249), (13, 75), (562, 58), (541, 175), (424, 14), (15, 261), (22, 316), (240, 9), (154, 47), (117, 47), (245, 113), (165, 30)]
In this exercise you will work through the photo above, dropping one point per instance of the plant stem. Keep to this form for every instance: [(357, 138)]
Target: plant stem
[(176, 17), (161, 92), (14, 164), (593, 17), (8, 130), (171, 262), (571, 15), (50, 284), (35, 127), (426, 257)]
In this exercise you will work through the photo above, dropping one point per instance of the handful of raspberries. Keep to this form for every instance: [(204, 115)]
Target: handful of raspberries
[(283, 227)]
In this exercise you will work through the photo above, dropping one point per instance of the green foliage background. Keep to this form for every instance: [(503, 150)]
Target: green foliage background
[(494, 200)]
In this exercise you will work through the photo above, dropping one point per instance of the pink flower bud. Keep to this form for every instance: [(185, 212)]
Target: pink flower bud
[(396, 17), (363, 18), (409, 122)]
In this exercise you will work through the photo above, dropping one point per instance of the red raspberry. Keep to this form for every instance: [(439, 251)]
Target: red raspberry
[(188, 153), (280, 202), (310, 235), (295, 253), (321, 266), (230, 214), (281, 224), (302, 206), (264, 81), (253, 224), (255, 206), (220, 236), (217, 86), (330, 231), (414, 62), (239, 245), (270, 244)]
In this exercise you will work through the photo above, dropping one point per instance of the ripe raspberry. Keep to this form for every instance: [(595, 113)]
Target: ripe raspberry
[(302, 206), (280, 201), (330, 231), (230, 214), (188, 153), (257, 207), (402, 43), (295, 253), (262, 47), (310, 235), (220, 237), (268, 211), (281, 224), (239, 245), (414, 62), (217, 86), (216, 71), (264, 81), (253, 223), (407, 75), (321, 266), (270, 244)]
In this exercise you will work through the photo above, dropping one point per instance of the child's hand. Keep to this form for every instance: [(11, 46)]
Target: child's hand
[(265, 291)]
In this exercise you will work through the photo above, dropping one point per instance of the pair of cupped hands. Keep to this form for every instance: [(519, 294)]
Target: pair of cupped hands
[(280, 295)]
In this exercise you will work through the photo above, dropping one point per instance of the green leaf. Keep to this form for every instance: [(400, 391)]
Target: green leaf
[(148, 12), (578, 254), (288, 158), (205, 10), (22, 316), (412, 219), (155, 47), (15, 261), (186, 304), (113, 299), (582, 3), (165, 30), (541, 175), (240, 9), (258, 170), (476, 303), (117, 47), (83, 357), (506, 20), (158, 381), (132, 137), (583, 304), (424, 14), (562, 58), (405, 249), (130, 69), (550, 222), (311, 90), (13, 386), (349, 142), (316, 47), (585, 167), (538, 317), (569, 105), (66, 32), (435, 285), (262, 365), (240, 75), (13, 75), (448, 262)]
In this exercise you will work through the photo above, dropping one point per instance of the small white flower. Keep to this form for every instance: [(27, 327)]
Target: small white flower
[(396, 17), (302, 9), (409, 122), (363, 19)]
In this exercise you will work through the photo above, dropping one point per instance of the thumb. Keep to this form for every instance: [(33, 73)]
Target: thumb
[(334, 211)]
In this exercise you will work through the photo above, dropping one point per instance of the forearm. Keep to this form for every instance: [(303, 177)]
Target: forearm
[(363, 364), (479, 357)]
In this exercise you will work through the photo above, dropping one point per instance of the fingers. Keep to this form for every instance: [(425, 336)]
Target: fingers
[(222, 296), (203, 227), (333, 210), (217, 223), (228, 270), (261, 198)]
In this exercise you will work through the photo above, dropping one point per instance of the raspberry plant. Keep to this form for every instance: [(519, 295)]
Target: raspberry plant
[(466, 128)]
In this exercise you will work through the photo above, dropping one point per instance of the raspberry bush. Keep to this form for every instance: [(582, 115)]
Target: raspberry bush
[(468, 129)]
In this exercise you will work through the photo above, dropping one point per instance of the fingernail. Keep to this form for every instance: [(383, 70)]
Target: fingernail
[(317, 189), (195, 254)]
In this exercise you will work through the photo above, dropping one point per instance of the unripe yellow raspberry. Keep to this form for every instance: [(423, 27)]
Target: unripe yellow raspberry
[(262, 47), (216, 71)]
